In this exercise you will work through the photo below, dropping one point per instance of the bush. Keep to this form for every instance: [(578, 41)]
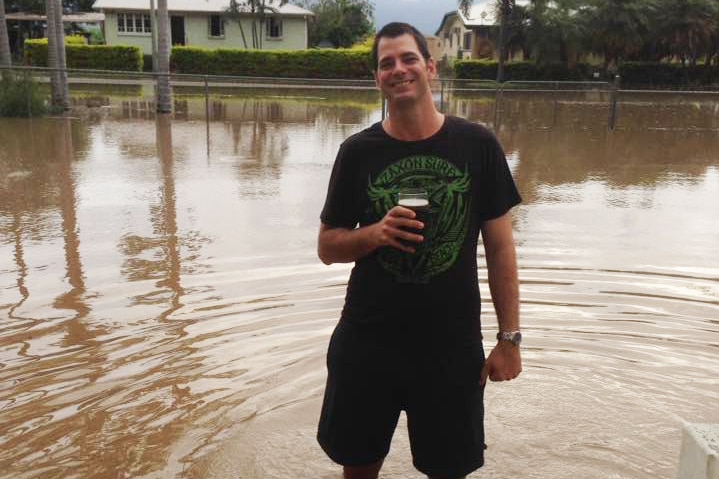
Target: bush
[(20, 97), (521, 71), (315, 63), (651, 74), (75, 40), (94, 57)]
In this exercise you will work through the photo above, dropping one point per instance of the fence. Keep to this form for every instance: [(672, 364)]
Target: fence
[(445, 91)]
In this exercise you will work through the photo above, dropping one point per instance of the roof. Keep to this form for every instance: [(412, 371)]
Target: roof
[(81, 17), (209, 6), (482, 13)]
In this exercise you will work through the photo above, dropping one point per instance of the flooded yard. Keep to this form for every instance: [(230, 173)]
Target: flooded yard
[(163, 313)]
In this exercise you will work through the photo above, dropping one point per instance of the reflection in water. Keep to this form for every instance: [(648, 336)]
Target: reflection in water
[(166, 316)]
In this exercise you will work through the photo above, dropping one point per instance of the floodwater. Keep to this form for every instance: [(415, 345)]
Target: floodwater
[(163, 313)]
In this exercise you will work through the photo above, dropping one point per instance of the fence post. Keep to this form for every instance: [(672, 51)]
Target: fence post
[(613, 102), (441, 95), (207, 114)]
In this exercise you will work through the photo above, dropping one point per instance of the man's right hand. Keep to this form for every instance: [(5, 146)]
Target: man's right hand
[(392, 229)]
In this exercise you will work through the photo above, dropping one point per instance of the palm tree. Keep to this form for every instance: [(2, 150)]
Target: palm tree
[(257, 10), (504, 8), (617, 28), (5, 58), (688, 28), (56, 55), (164, 91)]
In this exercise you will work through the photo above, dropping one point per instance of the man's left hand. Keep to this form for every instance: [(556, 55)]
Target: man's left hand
[(503, 364)]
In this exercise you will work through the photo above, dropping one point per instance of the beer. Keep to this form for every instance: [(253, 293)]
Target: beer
[(418, 201)]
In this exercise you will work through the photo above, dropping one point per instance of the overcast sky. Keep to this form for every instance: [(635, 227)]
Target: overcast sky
[(426, 15)]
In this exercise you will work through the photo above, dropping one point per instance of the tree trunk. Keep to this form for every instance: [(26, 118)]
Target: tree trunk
[(61, 58), (58, 89), (5, 56), (164, 92), (502, 43)]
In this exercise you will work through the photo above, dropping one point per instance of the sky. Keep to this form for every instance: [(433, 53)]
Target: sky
[(426, 15)]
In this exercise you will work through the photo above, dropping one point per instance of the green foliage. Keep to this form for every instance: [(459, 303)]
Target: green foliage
[(20, 97), (341, 63), (94, 57), (521, 71), (340, 22), (75, 40), (651, 74)]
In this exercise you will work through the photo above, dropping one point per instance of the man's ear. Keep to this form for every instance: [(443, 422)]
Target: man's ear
[(375, 75), (431, 67)]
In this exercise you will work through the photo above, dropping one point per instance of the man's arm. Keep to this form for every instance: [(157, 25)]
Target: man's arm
[(504, 362), (345, 245)]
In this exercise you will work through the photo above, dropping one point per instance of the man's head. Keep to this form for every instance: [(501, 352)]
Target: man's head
[(394, 30)]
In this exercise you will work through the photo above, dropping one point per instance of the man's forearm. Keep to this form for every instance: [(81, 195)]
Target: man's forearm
[(344, 245), (504, 286)]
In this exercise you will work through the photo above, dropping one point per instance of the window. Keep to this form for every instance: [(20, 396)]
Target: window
[(274, 28), (134, 23), (217, 26), (467, 41)]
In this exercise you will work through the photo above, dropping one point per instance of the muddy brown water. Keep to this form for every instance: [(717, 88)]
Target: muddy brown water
[(163, 313)]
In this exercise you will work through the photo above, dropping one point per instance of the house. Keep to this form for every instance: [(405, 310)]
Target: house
[(204, 23), (470, 36)]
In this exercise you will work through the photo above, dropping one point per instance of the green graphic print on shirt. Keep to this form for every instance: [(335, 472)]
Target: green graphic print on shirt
[(448, 189)]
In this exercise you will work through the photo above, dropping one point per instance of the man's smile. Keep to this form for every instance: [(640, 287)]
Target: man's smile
[(402, 82)]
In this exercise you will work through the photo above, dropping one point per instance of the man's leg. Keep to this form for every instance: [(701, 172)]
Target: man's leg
[(370, 471)]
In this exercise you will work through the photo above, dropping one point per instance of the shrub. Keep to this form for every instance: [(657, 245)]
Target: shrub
[(75, 40), (314, 63), (522, 71), (95, 57), (20, 97), (651, 74)]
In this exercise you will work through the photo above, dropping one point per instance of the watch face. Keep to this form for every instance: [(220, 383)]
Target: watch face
[(516, 338)]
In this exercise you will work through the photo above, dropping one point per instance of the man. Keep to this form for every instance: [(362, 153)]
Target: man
[(409, 337)]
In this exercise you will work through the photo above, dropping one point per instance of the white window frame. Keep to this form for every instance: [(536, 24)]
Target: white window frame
[(127, 24), (221, 19), (277, 23)]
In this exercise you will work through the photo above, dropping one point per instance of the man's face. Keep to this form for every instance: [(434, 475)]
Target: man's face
[(402, 72)]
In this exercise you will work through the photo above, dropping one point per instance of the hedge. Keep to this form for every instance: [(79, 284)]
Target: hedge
[(522, 71), (315, 63), (650, 74), (94, 57)]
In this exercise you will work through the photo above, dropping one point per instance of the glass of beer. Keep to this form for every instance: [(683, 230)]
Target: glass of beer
[(416, 199)]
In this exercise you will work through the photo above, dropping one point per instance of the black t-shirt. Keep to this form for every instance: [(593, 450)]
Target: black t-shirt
[(433, 294)]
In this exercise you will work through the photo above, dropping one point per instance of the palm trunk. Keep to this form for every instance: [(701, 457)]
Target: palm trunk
[(52, 59), (504, 13), (61, 58), (164, 92), (5, 56)]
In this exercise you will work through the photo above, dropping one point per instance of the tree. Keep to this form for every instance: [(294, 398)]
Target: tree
[(164, 92), (257, 11), (504, 9), (687, 28), (5, 56), (340, 22), (554, 30), (617, 28), (56, 55)]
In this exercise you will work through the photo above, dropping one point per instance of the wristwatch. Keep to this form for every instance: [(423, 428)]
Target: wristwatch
[(514, 337)]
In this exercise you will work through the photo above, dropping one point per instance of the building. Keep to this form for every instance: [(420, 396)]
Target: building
[(204, 23), (471, 36)]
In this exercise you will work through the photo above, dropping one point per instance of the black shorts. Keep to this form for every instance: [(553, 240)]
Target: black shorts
[(369, 384)]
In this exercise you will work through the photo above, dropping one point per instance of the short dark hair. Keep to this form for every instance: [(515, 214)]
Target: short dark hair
[(394, 30)]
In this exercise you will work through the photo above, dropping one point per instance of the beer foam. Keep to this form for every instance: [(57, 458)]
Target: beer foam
[(413, 202)]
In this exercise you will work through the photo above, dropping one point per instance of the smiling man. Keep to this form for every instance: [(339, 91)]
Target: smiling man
[(409, 337)]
